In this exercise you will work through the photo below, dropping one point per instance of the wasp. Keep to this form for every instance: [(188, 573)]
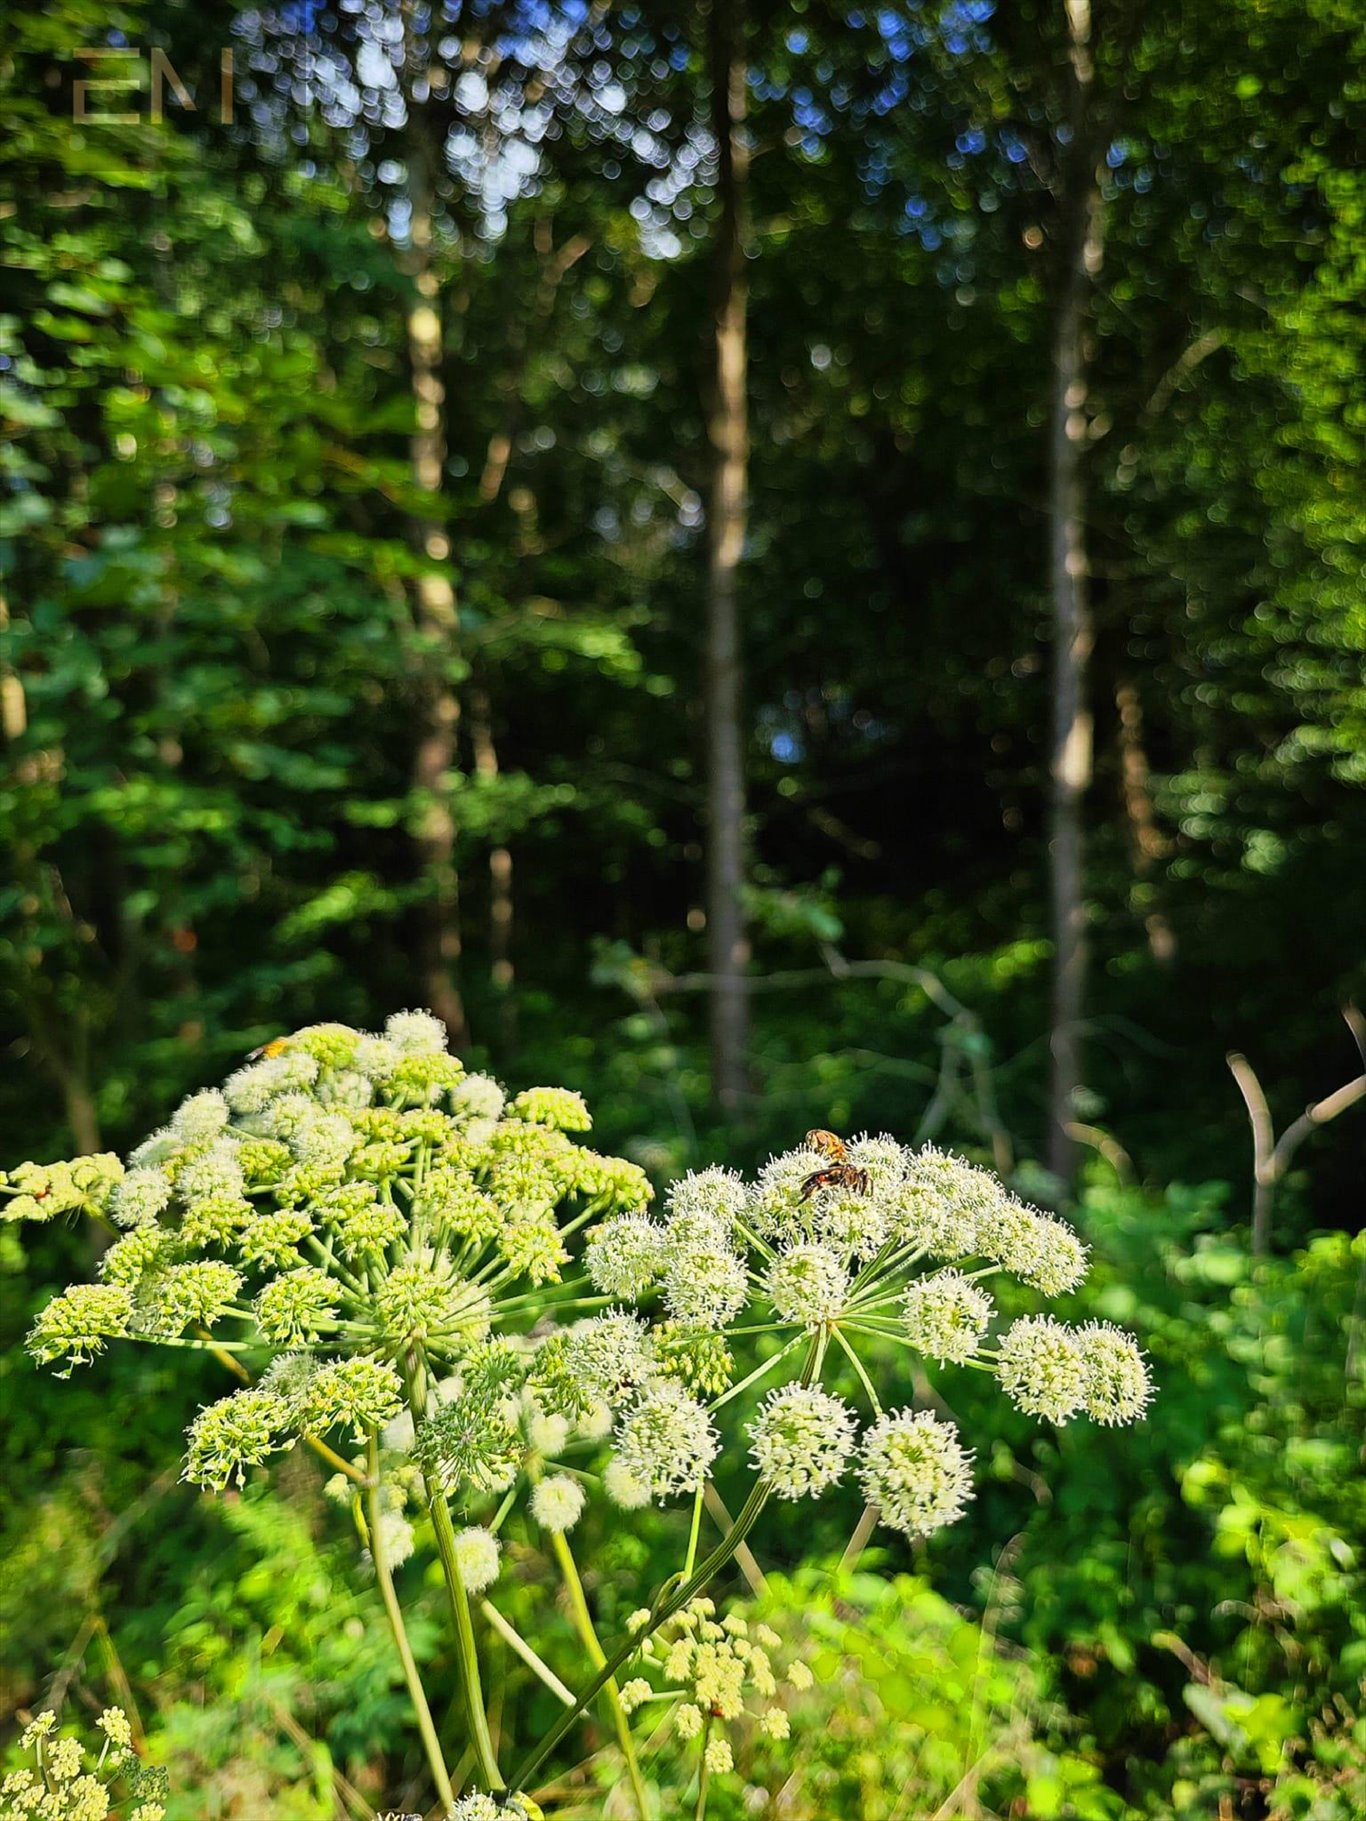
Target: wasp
[(827, 1144), (276, 1047), (838, 1176)]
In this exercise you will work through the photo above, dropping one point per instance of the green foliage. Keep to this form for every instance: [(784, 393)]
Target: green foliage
[(212, 673)]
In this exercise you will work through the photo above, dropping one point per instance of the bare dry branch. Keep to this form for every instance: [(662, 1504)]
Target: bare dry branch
[(1272, 1156)]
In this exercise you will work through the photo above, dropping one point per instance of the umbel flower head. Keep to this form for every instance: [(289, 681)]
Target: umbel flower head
[(387, 1241), (479, 1807), (801, 1440), (72, 1780), (864, 1241), (357, 1204), (916, 1471), (714, 1673)]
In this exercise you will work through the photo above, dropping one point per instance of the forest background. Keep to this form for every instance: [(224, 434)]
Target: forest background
[(782, 565)]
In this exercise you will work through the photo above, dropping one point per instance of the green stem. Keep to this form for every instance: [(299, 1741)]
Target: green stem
[(758, 1373), (857, 1364), (471, 1684), (696, 1531), (583, 1623), (464, 1631), (394, 1613), (333, 1459), (672, 1596), (666, 1604), (703, 1774), (516, 1642)]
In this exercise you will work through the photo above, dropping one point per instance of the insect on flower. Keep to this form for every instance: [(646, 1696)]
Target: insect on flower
[(827, 1144), (276, 1047), (838, 1176)]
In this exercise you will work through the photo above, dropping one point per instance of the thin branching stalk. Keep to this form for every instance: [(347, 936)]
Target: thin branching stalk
[(471, 1683), (394, 1613), (671, 1598), (588, 1637), (515, 1642)]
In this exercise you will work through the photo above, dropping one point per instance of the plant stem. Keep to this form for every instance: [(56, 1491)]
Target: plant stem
[(464, 1632), (703, 1774), (394, 1613), (516, 1642), (583, 1624), (857, 1364), (665, 1605), (333, 1459), (665, 1602), (471, 1684), (691, 1558), (759, 1372)]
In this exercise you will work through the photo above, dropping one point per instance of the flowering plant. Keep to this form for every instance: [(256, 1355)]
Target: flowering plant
[(469, 1314), (72, 1782)]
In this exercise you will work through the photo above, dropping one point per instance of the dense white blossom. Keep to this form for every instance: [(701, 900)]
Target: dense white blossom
[(916, 1471), (704, 1282), (416, 1032), (801, 1440), (946, 1315), (807, 1284), (1117, 1385), (666, 1441), (478, 1552), (720, 1194), (201, 1118), (625, 1255), (1042, 1368), (557, 1503)]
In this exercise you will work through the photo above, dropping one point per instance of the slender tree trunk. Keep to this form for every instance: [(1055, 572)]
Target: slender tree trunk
[(81, 1116), (70, 1072), (1071, 746), (501, 971), (728, 428), (438, 619), (1145, 839)]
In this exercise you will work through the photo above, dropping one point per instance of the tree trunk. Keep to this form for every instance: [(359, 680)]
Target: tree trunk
[(501, 970), (438, 619), (1071, 756), (1145, 839), (70, 1073), (728, 429), (80, 1113)]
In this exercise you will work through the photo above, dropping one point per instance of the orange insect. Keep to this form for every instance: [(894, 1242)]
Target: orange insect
[(839, 1176), (276, 1047), (827, 1144)]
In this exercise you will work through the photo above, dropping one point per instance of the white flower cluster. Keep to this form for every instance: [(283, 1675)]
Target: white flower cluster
[(869, 1241), (479, 1807), (345, 1203), (350, 1203), (802, 1439)]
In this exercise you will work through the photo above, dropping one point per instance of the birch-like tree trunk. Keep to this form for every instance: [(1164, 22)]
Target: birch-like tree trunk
[(728, 429), (1081, 226), (435, 749), (1146, 844)]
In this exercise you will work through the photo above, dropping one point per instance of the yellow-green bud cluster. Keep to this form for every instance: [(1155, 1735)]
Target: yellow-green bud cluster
[(353, 1193), (42, 1191), (717, 1673), (74, 1781)]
